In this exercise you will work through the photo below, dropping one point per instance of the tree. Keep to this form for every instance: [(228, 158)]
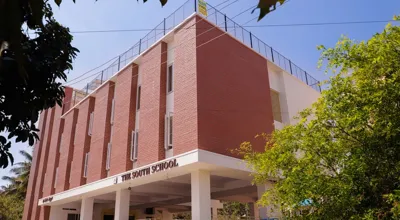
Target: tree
[(18, 182), (234, 210), (32, 68), (11, 207), (342, 159)]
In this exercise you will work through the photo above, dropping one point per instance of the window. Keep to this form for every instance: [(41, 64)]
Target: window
[(108, 156), (74, 217), (168, 130), (134, 145), (138, 98), (112, 111), (85, 166), (59, 147), (90, 124), (56, 178), (276, 106), (170, 78)]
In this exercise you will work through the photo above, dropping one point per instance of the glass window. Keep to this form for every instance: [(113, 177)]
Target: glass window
[(108, 156), (112, 111), (90, 124), (56, 178), (170, 78), (138, 98), (134, 145), (276, 106), (85, 166), (168, 131)]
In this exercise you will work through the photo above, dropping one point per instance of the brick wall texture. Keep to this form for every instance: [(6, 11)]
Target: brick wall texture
[(221, 98), (101, 133)]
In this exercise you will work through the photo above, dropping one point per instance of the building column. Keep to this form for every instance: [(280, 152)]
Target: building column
[(201, 195), (87, 209), (167, 215), (122, 203), (253, 210), (262, 211), (269, 211)]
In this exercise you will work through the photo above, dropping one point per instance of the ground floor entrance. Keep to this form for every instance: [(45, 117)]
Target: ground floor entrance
[(195, 183)]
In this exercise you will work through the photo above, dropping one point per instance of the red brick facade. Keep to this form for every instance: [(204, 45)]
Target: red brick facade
[(124, 119), (153, 71), (82, 142), (221, 98), (101, 133)]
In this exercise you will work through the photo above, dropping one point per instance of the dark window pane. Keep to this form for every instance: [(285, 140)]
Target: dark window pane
[(170, 79), (138, 98)]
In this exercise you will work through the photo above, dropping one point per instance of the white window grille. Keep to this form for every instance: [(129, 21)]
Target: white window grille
[(168, 131), (112, 111), (91, 124), (170, 78), (56, 178), (139, 90), (134, 145), (59, 147), (108, 156), (85, 166)]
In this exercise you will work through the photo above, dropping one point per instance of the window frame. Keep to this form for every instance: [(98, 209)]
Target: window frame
[(85, 165), (134, 145), (91, 119), (168, 137), (138, 96), (108, 159), (55, 179), (274, 113), (112, 111), (170, 78)]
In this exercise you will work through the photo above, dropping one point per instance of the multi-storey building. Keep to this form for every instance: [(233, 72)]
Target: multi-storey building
[(153, 134)]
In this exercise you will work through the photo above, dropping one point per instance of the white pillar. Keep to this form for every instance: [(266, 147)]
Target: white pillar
[(269, 211), (87, 209), (122, 201), (167, 215), (201, 195)]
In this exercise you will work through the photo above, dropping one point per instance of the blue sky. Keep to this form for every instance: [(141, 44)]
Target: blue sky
[(298, 43)]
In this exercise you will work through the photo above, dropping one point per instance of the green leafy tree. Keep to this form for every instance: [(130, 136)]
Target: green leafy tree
[(18, 182), (11, 207), (233, 210), (32, 68), (342, 159)]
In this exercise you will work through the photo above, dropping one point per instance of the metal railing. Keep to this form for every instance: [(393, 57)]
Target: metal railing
[(214, 16), (234, 29)]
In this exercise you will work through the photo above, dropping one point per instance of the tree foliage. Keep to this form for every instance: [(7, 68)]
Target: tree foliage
[(11, 207), (12, 195), (31, 69), (18, 182), (343, 155)]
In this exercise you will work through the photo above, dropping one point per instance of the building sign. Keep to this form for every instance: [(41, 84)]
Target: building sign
[(148, 170), (48, 199), (203, 7)]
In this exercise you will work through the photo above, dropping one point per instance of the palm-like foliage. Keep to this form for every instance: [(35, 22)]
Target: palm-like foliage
[(18, 183)]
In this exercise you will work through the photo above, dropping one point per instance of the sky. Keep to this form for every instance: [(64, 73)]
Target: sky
[(298, 43)]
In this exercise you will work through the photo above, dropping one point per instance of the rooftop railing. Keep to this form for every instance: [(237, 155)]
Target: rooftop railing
[(214, 16)]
